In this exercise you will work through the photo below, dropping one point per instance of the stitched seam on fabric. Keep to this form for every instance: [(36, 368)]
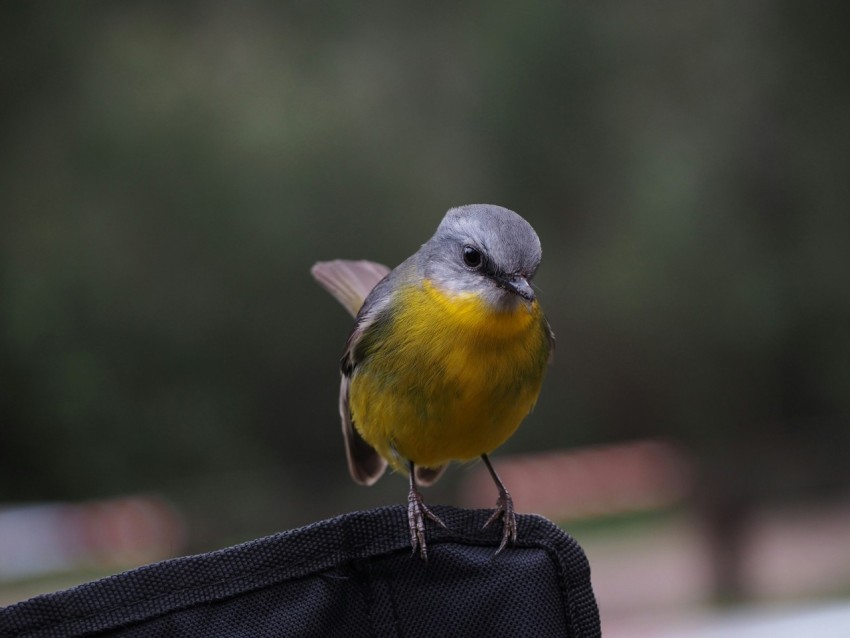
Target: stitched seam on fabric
[(172, 592), (566, 587), (377, 589), (339, 557), (393, 607), (368, 594), (565, 584), (569, 590)]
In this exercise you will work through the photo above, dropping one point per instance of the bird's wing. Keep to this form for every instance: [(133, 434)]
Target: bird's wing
[(364, 462), (428, 475), (350, 282)]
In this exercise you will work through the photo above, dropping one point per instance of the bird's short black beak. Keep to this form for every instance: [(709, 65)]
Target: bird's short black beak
[(519, 285)]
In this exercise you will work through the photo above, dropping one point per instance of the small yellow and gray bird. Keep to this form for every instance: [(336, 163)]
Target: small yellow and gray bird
[(447, 355)]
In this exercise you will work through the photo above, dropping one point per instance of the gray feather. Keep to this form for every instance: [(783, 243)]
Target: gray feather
[(350, 282)]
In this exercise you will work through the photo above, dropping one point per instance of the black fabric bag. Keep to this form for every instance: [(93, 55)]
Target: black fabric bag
[(348, 576)]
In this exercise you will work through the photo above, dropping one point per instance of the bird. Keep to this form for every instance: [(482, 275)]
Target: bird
[(447, 355)]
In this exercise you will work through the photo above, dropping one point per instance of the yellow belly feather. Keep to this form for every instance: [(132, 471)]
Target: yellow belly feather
[(449, 379)]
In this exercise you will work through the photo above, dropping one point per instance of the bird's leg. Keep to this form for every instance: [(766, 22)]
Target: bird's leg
[(417, 511), (504, 509)]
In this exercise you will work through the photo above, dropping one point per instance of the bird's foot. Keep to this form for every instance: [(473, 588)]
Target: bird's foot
[(505, 511), (417, 512)]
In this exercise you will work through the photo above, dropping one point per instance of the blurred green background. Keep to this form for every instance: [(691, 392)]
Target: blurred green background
[(170, 171)]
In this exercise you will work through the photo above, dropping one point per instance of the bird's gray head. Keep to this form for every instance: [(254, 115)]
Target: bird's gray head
[(485, 249)]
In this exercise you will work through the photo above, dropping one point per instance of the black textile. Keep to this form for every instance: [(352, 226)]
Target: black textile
[(348, 576)]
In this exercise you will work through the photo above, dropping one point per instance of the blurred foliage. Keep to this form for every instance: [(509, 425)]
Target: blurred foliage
[(171, 171)]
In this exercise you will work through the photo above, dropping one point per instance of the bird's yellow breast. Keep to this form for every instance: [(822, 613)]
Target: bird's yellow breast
[(445, 377)]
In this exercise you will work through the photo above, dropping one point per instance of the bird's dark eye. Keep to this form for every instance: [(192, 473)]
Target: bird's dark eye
[(472, 257)]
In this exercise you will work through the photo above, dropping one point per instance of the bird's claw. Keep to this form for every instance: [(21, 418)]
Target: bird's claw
[(505, 511), (417, 512)]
